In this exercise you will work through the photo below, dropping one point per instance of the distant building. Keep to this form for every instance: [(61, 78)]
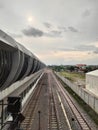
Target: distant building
[(92, 81), (81, 67)]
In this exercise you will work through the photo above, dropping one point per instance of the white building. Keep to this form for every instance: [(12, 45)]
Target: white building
[(92, 81)]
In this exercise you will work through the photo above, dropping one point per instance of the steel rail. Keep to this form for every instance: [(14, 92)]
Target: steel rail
[(29, 111), (79, 117), (53, 114)]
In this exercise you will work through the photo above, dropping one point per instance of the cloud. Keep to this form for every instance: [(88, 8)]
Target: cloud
[(82, 48), (86, 13), (1, 5), (48, 25), (86, 47), (90, 48), (53, 33), (66, 57), (65, 49), (72, 29), (95, 51), (62, 28), (33, 32)]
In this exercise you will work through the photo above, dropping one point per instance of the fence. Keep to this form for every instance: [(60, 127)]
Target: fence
[(88, 97)]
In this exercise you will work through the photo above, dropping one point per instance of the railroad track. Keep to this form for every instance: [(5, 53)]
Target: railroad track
[(81, 120), (51, 100), (54, 122), (31, 107), (79, 117), (53, 119)]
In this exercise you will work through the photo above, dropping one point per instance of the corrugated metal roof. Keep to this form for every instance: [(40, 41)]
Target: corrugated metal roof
[(95, 73)]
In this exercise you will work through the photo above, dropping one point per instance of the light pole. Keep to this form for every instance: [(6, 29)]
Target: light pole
[(39, 118)]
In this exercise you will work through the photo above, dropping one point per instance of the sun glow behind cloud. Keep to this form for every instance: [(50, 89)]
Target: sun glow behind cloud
[(30, 19)]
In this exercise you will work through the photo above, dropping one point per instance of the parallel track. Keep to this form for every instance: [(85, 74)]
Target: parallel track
[(29, 111), (54, 123), (53, 119), (80, 119), (57, 98)]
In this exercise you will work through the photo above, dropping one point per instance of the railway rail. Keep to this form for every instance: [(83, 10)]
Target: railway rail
[(29, 111), (54, 123), (53, 119), (52, 108), (78, 116), (55, 92)]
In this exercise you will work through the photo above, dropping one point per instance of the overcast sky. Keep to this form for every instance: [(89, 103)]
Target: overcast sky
[(57, 31)]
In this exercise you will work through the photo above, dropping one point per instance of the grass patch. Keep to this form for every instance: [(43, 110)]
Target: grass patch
[(73, 76), (85, 106)]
